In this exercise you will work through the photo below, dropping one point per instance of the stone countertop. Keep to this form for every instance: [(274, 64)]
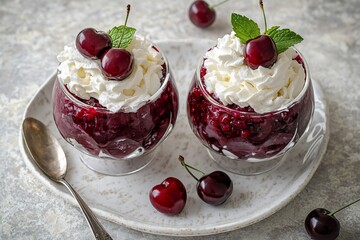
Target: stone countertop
[(33, 32)]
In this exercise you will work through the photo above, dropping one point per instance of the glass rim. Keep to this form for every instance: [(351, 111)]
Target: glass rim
[(124, 109), (285, 107)]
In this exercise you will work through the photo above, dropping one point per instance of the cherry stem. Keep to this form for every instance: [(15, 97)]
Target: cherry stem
[(336, 211), (263, 12), (218, 4), (182, 161), (126, 19)]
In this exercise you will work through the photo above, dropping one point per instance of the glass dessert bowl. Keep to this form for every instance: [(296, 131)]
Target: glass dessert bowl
[(121, 138), (240, 139)]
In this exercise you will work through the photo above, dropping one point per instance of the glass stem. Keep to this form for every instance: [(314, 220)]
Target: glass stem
[(336, 211)]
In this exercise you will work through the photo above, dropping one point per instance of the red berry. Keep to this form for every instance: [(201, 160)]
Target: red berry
[(117, 63), (201, 15), (260, 51), (168, 197), (92, 44), (321, 226), (215, 188)]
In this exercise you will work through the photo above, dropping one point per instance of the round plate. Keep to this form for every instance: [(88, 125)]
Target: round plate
[(124, 200)]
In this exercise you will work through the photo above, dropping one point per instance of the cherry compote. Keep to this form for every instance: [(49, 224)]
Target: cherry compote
[(100, 132), (241, 133)]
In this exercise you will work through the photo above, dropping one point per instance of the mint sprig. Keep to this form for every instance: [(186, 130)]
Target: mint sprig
[(244, 28), (121, 36), (284, 38)]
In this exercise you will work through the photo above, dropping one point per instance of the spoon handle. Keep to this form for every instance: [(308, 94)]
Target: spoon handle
[(96, 227)]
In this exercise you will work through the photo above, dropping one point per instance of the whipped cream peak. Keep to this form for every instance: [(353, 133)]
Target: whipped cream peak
[(83, 77), (263, 89)]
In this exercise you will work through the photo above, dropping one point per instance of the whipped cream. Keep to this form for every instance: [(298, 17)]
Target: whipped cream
[(263, 89), (83, 77)]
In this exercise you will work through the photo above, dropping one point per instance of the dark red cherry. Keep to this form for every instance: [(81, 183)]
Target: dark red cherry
[(215, 188), (260, 51), (169, 197), (201, 15), (117, 63), (91, 43), (321, 226)]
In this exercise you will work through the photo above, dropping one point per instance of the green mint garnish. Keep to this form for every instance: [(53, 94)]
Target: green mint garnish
[(271, 30), (284, 38), (244, 28), (122, 35)]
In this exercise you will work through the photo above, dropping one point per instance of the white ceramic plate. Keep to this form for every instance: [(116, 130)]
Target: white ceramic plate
[(124, 200)]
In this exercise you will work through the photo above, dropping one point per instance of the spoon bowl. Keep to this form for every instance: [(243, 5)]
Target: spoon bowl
[(44, 148), (49, 156)]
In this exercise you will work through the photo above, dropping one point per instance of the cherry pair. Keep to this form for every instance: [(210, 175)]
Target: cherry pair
[(170, 196), (116, 63)]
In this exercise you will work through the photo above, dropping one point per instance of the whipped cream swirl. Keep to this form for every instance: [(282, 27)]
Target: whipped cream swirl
[(263, 89), (83, 77)]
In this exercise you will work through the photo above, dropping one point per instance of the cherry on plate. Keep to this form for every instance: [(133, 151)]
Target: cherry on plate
[(214, 188), (169, 197)]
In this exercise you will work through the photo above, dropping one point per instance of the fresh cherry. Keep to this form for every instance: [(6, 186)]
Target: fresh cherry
[(322, 226), (92, 44), (214, 188), (169, 197), (201, 14), (260, 51), (117, 63)]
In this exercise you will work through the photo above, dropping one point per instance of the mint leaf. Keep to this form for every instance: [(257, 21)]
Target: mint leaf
[(244, 27), (118, 39), (272, 30), (283, 38)]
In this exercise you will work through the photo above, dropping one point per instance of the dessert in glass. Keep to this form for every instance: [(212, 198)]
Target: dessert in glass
[(117, 120), (249, 116)]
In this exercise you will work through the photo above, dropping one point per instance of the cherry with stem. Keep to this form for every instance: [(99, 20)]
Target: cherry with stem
[(117, 63), (203, 15), (214, 188), (321, 224), (260, 51)]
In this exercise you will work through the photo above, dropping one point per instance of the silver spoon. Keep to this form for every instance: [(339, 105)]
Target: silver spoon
[(50, 158)]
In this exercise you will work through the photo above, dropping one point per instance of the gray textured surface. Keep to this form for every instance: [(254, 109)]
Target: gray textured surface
[(33, 32)]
